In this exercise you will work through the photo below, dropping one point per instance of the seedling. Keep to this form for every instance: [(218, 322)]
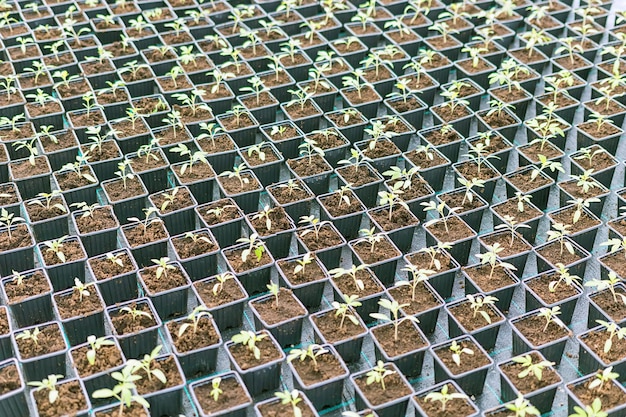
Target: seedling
[(536, 369), (312, 353), (564, 276), (522, 407), (221, 280), (614, 331), (302, 263), (147, 365), (343, 192), (458, 351), (345, 310), (76, 168), (255, 245), (593, 410), (96, 344), (474, 182), (444, 396), (478, 302), (314, 223), (148, 220), (378, 375), (602, 377), (491, 258), (258, 150), (237, 173), (370, 237), (31, 147), (394, 309), (8, 220), (440, 209), (81, 289), (581, 204), (609, 284), (216, 391), (352, 272), (434, 252), (418, 276), (550, 315), (123, 391), (163, 266), (558, 234), (123, 172), (193, 320), (392, 198), (49, 384), (27, 334), (56, 246), (249, 339), (292, 398)]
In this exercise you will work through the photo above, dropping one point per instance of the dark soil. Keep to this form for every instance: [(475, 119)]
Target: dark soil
[(509, 247), (37, 212), (328, 238), (566, 216), (311, 272), (9, 379), (20, 238), (595, 341), (373, 254), (234, 259), (181, 200), (523, 181), (457, 230), (480, 275), (304, 167), (469, 169), (395, 388), (33, 284), (448, 115), (610, 393), (509, 207), (285, 195), (234, 186), (423, 261), (420, 160), (230, 211), (116, 192), (347, 285), (383, 148), (168, 365), (279, 222), (615, 261), (23, 169), (367, 95), (400, 217), (337, 207), (277, 408), (553, 254), (137, 236), (104, 269), (187, 248), (71, 249), (287, 308)]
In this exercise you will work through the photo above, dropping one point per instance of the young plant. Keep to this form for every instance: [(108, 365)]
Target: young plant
[(511, 226), (602, 377), (7, 220), (614, 331), (33, 335), (221, 280), (255, 246), (314, 223), (56, 246), (292, 398), (458, 351), (522, 407), (309, 149), (312, 352), (444, 396), (558, 234), (237, 173), (95, 344), (147, 365), (148, 219), (249, 339), (536, 369), (418, 276), (478, 303), (440, 209), (352, 272), (123, 391), (564, 277), (593, 410), (610, 283), (378, 375), (491, 258), (346, 310), (394, 309), (49, 384), (550, 315), (193, 320)]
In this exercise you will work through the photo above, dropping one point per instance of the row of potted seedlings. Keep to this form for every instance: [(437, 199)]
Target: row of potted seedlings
[(181, 208)]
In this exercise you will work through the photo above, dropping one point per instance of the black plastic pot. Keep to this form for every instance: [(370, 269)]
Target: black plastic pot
[(136, 344), (286, 332), (31, 310), (236, 411), (552, 351), (390, 408)]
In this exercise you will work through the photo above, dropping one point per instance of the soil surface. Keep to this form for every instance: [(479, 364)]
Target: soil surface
[(468, 361), (530, 383), (125, 324), (395, 387), (610, 393), (49, 340), (73, 305), (409, 338), (107, 357), (273, 313), (461, 406), (71, 400), (232, 396), (230, 292), (204, 335), (535, 330), (245, 358), (33, 284), (424, 300)]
